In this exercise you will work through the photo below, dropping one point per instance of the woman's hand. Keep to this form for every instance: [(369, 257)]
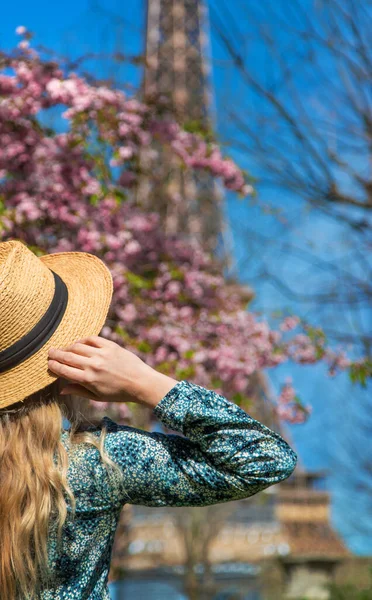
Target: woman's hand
[(101, 370)]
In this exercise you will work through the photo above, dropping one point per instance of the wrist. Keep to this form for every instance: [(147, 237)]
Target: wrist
[(155, 386)]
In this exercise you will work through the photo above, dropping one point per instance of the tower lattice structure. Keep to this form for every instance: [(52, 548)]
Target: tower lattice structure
[(178, 69)]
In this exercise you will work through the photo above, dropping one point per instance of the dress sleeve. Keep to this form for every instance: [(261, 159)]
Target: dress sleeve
[(223, 454)]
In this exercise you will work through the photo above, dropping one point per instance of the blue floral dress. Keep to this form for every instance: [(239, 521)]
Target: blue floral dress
[(223, 454)]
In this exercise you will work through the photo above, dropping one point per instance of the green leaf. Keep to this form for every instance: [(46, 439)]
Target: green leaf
[(186, 372), (238, 397), (36, 250), (138, 282), (198, 127), (359, 373), (165, 367), (242, 401), (315, 333), (144, 346), (277, 350), (176, 274), (94, 199), (150, 274), (119, 330), (319, 352), (298, 401), (183, 298)]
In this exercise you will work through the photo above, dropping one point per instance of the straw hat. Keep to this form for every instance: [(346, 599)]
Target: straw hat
[(47, 301)]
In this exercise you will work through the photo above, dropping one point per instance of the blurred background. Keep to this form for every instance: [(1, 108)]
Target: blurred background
[(286, 87)]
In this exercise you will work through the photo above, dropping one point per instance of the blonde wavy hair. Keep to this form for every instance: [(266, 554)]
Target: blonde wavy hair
[(32, 486)]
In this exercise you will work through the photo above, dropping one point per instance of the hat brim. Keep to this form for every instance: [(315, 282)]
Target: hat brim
[(90, 288)]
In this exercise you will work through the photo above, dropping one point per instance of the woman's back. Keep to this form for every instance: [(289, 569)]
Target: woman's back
[(82, 564)]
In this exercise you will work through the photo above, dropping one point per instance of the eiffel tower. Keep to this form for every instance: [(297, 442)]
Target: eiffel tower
[(178, 69)]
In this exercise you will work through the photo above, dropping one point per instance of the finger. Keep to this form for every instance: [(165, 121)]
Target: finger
[(67, 372), (69, 358), (94, 340), (82, 349)]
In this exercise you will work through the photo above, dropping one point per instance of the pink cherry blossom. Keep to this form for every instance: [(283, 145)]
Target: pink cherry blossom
[(289, 323), (171, 304)]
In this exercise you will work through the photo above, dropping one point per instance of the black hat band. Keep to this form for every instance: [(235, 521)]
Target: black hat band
[(41, 332)]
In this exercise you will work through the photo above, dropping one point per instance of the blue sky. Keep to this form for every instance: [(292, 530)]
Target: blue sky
[(78, 27)]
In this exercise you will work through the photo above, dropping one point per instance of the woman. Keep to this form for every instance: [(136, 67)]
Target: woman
[(62, 491)]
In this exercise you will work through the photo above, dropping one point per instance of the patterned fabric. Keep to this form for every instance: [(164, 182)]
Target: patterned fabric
[(225, 455)]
